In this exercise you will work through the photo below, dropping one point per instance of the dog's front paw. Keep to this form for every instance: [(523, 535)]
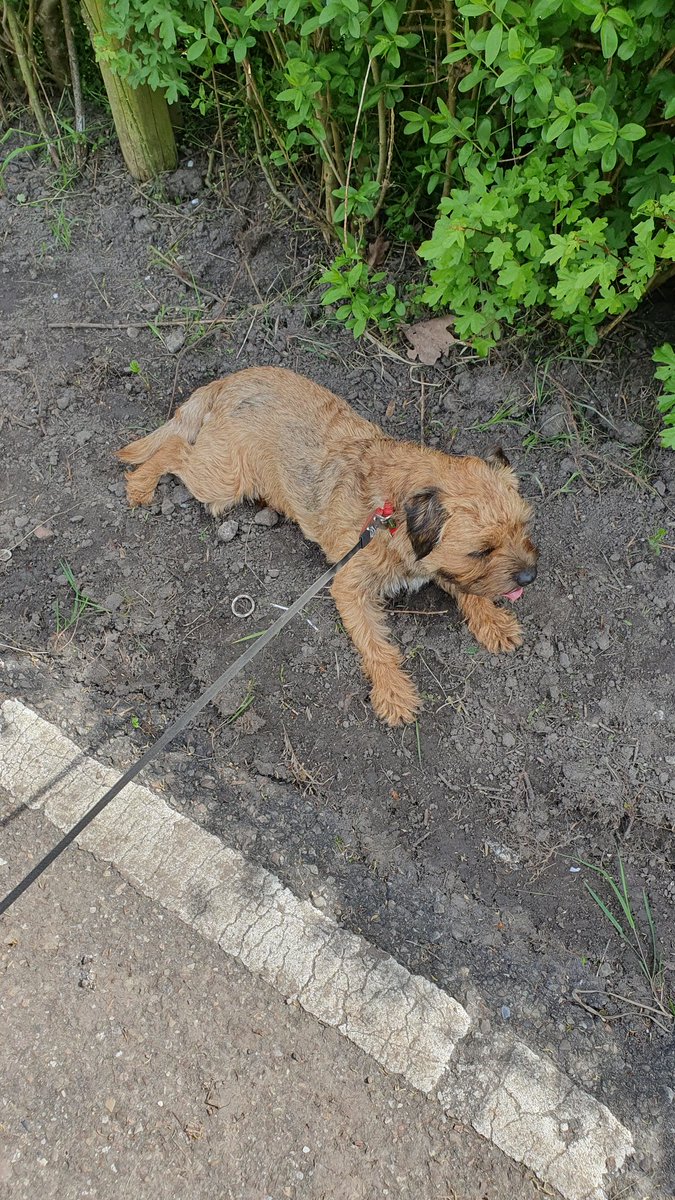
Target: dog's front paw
[(138, 490), (395, 699), (497, 630)]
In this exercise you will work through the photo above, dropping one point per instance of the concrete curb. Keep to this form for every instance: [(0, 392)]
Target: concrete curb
[(509, 1094)]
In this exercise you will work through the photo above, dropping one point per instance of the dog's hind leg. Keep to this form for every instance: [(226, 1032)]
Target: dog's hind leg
[(393, 696), (167, 460), (215, 480)]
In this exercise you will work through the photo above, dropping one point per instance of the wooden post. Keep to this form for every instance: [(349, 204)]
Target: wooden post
[(141, 116)]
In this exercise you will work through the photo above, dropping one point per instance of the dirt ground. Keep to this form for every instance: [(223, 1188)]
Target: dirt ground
[(453, 846)]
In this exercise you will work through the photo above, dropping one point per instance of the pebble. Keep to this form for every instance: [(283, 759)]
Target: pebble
[(168, 506), (112, 602), (509, 741), (628, 433), (266, 517), (227, 531), (552, 420), (174, 340), (180, 494), (603, 641)]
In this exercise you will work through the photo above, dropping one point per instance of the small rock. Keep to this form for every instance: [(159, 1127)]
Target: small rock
[(174, 340), (168, 506), (145, 225), (267, 517), (43, 532), (603, 641), (552, 420), (544, 649), (180, 494), (183, 183), (209, 783), (509, 741), (227, 531), (628, 433), (5, 555), (112, 602)]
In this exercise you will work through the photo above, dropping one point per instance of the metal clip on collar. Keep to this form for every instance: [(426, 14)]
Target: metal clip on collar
[(382, 518)]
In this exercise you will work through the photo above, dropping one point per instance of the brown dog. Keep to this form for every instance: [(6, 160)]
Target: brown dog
[(270, 434)]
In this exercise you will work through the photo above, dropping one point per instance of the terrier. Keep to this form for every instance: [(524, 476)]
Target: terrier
[(269, 434)]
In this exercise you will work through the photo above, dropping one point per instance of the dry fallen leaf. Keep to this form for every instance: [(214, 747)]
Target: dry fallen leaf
[(377, 252), (430, 339)]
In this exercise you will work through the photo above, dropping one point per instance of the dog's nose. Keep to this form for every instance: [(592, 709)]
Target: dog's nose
[(527, 575)]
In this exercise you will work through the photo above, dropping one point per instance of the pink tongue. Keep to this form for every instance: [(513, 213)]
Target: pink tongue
[(514, 595)]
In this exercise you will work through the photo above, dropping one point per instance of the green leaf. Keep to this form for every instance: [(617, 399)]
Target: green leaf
[(543, 87), (541, 56), (484, 132), (608, 160), (632, 132), (580, 140), (514, 46), (390, 18), (493, 44), (557, 127), (609, 38), (310, 26), (545, 8), (196, 49), (240, 49), (292, 10), (511, 74)]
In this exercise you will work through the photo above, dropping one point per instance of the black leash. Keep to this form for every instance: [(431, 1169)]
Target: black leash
[(377, 521)]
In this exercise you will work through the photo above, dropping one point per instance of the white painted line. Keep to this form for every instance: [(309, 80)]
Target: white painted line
[(510, 1095)]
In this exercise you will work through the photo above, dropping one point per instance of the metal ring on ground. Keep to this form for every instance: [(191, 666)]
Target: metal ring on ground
[(244, 598)]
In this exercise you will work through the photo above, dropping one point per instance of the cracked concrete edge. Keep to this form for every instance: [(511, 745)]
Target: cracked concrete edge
[(513, 1097)]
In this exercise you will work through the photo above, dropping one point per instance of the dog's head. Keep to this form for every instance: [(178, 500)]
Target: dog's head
[(471, 529)]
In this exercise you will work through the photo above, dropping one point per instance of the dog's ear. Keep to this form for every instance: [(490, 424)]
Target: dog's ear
[(499, 462), (497, 458), (425, 518)]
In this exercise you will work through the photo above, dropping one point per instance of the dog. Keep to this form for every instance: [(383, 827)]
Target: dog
[(269, 434)]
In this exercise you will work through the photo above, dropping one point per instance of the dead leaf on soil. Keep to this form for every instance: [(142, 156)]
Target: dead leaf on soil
[(377, 252), (430, 339)]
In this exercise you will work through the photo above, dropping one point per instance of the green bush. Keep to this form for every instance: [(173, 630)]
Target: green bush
[(665, 371), (533, 141)]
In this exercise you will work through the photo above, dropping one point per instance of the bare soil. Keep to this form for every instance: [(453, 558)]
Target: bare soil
[(455, 845)]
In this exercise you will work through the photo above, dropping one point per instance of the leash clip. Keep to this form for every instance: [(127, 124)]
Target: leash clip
[(382, 518)]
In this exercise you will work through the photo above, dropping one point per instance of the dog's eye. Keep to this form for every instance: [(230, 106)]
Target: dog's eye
[(481, 553)]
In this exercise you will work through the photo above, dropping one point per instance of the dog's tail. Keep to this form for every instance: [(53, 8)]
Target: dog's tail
[(186, 423)]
